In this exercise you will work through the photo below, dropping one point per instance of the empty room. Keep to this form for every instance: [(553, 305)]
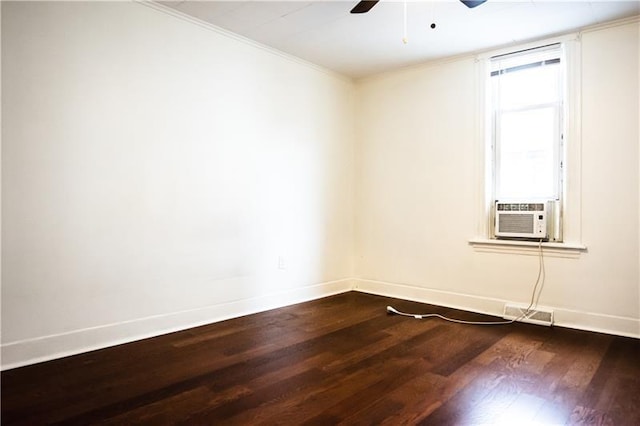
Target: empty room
[(320, 212)]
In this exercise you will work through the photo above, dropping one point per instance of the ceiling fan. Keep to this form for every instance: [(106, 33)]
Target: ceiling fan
[(365, 6)]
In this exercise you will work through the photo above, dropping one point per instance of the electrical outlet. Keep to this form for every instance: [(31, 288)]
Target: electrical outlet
[(281, 263)]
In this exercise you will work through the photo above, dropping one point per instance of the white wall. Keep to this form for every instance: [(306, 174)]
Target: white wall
[(153, 173), (418, 192)]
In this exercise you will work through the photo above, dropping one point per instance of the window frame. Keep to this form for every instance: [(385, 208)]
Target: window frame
[(569, 216)]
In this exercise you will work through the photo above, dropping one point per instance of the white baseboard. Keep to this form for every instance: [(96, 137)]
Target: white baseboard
[(45, 348), (580, 320)]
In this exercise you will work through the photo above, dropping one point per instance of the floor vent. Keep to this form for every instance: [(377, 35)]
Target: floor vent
[(538, 315)]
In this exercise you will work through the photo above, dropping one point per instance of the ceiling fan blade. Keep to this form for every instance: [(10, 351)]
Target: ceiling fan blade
[(364, 6), (472, 3)]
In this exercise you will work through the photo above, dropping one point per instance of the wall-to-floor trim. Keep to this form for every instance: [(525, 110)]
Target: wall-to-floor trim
[(40, 349), (588, 321), (45, 348)]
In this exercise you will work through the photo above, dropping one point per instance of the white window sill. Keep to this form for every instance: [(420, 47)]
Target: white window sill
[(487, 245)]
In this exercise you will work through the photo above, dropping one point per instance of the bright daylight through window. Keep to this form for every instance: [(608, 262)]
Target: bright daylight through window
[(527, 126)]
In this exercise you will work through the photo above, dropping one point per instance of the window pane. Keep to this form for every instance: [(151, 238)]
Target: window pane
[(532, 86), (527, 164)]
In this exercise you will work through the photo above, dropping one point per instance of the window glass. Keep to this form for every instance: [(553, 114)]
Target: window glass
[(526, 90), (530, 86), (526, 156)]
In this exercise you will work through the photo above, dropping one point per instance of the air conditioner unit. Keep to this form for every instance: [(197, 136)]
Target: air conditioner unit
[(523, 220)]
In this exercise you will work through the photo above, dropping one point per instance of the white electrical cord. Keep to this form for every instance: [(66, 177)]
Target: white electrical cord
[(525, 314), (540, 271), (392, 310)]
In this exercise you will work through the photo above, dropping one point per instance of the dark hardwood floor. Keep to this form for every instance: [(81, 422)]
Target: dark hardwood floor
[(339, 360)]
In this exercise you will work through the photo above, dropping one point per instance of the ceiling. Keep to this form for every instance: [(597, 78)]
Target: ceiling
[(325, 33)]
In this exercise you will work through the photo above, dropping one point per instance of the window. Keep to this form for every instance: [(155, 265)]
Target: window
[(513, 107), (526, 101)]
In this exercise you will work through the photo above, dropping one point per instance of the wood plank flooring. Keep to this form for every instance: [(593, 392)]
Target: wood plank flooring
[(339, 360)]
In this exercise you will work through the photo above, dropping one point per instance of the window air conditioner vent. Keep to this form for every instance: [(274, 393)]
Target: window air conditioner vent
[(525, 220)]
